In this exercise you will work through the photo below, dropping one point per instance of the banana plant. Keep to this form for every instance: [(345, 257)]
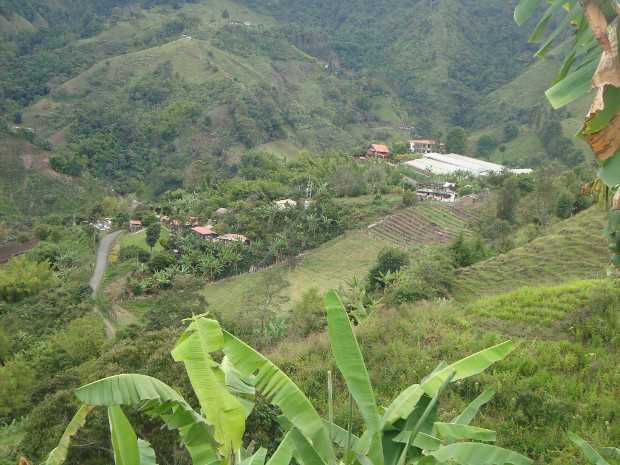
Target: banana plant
[(405, 432), (595, 457), (591, 65)]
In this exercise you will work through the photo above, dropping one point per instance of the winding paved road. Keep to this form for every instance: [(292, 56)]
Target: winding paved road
[(102, 260), (95, 281)]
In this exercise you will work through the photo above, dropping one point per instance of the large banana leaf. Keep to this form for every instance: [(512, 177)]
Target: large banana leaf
[(340, 435), (453, 432), (351, 364), (157, 399), (124, 439), (258, 458), (58, 455), (474, 453), (591, 454), (472, 409), (469, 366), (220, 408), (147, 454), (284, 453), (240, 386), (475, 364), (525, 10), (573, 86), (305, 453), (426, 442), (282, 392)]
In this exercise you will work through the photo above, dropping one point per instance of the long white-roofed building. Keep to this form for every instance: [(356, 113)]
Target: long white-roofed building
[(451, 163)]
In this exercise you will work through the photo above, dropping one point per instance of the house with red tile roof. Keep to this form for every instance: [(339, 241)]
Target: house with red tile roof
[(135, 225), (378, 150), (204, 232)]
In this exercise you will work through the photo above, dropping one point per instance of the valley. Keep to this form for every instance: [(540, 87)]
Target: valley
[(364, 192)]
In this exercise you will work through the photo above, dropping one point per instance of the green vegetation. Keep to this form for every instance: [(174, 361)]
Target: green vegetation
[(226, 390), (21, 278), (569, 250), (331, 265)]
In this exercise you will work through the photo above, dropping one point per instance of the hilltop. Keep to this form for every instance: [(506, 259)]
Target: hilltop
[(152, 97)]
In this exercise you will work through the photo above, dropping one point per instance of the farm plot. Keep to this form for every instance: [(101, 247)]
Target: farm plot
[(426, 223)]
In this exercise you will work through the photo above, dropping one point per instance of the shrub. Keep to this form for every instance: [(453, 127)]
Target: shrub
[(466, 253), (390, 260), (21, 278), (161, 261), (307, 315), (133, 252), (410, 198), (431, 275)]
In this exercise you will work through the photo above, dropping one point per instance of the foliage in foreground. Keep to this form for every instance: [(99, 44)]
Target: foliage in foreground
[(407, 431), (592, 62)]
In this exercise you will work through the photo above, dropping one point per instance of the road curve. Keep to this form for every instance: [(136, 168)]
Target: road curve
[(102, 260)]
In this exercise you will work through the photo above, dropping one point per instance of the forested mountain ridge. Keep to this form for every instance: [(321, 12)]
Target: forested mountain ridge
[(153, 95), (439, 56)]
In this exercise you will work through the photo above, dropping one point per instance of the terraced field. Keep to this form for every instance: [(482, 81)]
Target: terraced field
[(572, 249), (426, 223)]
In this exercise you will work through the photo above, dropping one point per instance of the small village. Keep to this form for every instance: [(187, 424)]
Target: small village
[(432, 161)]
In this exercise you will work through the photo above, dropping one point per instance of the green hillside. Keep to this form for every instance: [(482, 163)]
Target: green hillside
[(134, 92), (565, 362), (572, 249), (330, 266), (29, 187)]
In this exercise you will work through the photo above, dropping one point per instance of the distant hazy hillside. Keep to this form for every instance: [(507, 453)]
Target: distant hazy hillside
[(440, 55), (146, 94)]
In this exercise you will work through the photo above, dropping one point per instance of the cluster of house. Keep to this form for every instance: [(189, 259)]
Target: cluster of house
[(421, 146), (192, 224)]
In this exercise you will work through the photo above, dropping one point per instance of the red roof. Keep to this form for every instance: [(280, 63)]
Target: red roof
[(204, 231), (379, 148), (136, 222)]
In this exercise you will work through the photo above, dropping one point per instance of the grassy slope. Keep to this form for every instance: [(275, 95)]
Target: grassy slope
[(28, 187), (572, 249), (138, 239), (556, 379), (327, 267)]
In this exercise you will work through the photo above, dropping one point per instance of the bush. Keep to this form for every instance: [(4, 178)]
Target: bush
[(466, 253), (21, 278), (133, 252), (486, 145), (161, 261), (410, 198), (511, 132), (307, 315), (431, 275), (389, 261)]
